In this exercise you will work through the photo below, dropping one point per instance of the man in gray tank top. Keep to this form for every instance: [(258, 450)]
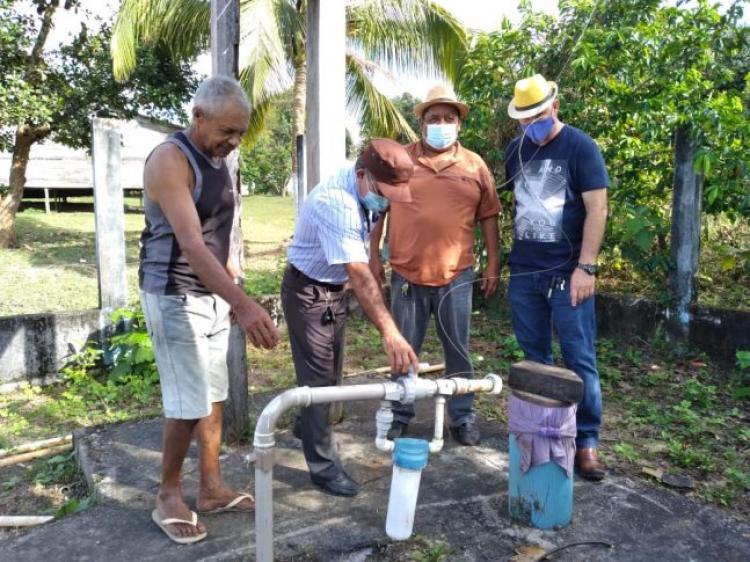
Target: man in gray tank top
[(188, 293)]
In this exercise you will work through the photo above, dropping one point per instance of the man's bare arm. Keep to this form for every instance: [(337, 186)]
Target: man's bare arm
[(376, 265), (400, 353), (491, 275), (593, 227), (581, 283)]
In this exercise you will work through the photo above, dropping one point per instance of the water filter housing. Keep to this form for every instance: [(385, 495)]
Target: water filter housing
[(409, 458)]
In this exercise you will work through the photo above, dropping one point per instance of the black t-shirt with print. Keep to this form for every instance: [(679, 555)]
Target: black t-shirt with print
[(549, 211)]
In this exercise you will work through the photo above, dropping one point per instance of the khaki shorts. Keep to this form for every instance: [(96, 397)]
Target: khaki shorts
[(190, 335)]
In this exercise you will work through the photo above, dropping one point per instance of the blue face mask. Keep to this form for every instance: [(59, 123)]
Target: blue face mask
[(441, 136), (538, 131), (374, 202)]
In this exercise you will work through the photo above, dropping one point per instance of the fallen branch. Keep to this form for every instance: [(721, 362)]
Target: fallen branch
[(36, 445), (15, 459), (385, 370), (24, 520)]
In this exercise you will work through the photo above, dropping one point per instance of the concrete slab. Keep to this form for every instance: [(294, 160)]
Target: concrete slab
[(463, 502)]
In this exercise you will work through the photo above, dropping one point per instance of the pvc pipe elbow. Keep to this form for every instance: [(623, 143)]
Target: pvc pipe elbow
[(384, 444), (436, 445)]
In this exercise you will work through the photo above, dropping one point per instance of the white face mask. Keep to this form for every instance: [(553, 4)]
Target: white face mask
[(441, 136)]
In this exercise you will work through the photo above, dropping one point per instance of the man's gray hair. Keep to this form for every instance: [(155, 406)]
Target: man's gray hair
[(214, 92)]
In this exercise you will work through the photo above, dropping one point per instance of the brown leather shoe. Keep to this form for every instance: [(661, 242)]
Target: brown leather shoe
[(588, 465)]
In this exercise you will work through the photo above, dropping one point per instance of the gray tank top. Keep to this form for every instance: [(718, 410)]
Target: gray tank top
[(163, 268)]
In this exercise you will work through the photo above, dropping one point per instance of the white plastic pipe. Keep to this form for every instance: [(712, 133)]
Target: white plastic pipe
[(436, 444), (383, 422), (24, 520), (264, 441)]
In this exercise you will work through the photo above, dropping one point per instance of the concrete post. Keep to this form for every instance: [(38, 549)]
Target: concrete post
[(225, 40), (326, 99), (109, 216), (326, 88), (686, 227)]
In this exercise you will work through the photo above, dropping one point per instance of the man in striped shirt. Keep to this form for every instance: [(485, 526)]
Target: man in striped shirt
[(330, 249)]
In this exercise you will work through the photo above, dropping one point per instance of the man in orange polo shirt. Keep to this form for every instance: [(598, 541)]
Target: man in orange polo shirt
[(430, 247)]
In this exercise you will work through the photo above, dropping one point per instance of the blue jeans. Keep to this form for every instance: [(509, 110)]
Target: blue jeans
[(540, 301), (411, 307)]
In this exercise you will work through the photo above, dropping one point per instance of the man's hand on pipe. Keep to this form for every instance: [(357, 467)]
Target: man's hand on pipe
[(400, 354)]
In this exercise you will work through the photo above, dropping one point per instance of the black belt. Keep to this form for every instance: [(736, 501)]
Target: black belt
[(299, 275)]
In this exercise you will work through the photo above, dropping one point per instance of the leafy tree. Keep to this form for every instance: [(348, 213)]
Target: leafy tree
[(53, 94), (630, 72), (401, 35), (267, 165)]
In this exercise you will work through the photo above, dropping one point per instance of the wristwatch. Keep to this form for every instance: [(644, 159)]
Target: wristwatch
[(589, 268)]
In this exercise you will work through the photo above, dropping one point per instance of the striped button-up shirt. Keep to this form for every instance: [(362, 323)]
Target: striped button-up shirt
[(332, 230)]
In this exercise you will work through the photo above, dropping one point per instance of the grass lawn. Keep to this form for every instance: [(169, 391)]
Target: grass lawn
[(54, 267)]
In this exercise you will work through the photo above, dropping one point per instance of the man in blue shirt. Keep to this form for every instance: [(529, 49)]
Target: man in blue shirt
[(329, 249), (559, 183)]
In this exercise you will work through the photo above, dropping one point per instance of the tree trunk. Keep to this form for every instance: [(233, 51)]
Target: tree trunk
[(26, 135), (298, 113), (9, 204)]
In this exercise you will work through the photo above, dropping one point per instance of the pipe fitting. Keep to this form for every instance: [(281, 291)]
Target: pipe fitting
[(497, 383), (392, 391), (383, 421), (266, 425), (408, 389), (264, 459), (446, 387)]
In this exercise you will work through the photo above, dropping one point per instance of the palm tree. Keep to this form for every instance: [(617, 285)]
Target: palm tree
[(382, 35)]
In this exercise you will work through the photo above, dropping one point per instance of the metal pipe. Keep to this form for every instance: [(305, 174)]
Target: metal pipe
[(264, 442)]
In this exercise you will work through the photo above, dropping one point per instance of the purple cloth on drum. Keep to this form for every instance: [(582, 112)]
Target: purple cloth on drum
[(543, 434)]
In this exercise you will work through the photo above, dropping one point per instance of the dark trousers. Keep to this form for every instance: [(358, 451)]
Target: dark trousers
[(541, 301), (411, 306), (318, 355)]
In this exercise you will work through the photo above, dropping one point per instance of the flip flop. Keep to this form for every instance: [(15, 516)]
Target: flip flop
[(232, 506), (162, 523)]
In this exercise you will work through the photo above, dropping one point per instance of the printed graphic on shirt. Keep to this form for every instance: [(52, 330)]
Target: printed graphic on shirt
[(540, 199)]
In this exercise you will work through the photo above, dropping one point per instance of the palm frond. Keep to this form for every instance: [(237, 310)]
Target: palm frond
[(258, 119), (182, 26), (292, 26), (264, 69), (379, 112), (408, 36)]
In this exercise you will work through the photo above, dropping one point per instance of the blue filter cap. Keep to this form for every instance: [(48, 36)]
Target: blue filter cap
[(411, 453)]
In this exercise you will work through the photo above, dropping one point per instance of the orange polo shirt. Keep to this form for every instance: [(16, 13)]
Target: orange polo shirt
[(431, 239)]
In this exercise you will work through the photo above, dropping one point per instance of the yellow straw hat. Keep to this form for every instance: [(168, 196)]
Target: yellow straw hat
[(531, 96), (441, 94)]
